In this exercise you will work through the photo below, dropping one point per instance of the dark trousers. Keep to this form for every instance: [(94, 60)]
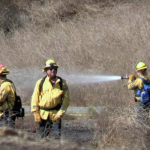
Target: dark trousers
[(8, 119), (47, 127), (143, 112)]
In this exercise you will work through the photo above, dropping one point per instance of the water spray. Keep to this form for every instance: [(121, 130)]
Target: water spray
[(88, 79), (73, 79)]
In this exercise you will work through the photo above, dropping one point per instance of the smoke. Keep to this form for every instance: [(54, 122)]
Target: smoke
[(25, 79)]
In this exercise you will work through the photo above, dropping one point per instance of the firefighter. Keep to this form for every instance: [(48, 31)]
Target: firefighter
[(50, 101), (7, 99), (136, 83)]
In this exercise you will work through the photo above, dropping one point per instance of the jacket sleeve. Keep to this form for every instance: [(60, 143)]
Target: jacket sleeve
[(132, 85), (35, 98), (4, 90), (66, 99)]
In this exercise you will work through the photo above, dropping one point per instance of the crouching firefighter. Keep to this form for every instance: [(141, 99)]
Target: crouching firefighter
[(141, 85), (50, 101), (7, 99)]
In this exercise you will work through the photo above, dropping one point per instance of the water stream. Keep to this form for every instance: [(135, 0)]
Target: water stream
[(88, 79)]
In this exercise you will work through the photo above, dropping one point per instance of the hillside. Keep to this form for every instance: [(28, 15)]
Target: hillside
[(88, 37)]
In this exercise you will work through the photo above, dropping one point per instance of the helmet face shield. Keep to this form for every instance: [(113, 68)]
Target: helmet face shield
[(50, 64)]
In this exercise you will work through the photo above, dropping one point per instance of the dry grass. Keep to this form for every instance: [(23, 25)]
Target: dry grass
[(17, 140), (86, 43), (119, 129), (84, 37)]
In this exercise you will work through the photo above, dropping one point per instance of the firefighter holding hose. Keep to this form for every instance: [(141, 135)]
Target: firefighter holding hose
[(141, 85)]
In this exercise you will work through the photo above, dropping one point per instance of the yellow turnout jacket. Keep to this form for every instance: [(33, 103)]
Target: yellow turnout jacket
[(7, 96), (49, 98), (137, 84)]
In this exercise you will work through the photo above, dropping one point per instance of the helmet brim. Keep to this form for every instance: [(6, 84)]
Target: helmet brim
[(48, 67), (4, 73), (141, 68)]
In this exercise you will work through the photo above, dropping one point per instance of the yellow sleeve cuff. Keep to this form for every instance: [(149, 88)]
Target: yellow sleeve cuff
[(60, 112)]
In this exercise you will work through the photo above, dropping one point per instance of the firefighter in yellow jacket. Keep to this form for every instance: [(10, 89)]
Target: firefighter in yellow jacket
[(7, 99), (50, 101), (136, 83)]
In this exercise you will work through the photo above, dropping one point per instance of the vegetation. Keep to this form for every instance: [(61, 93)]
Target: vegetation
[(89, 37)]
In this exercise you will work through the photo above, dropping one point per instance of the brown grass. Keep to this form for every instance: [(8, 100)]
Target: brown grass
[(86, 43), (84, 37), (119, 129), (11, 139)]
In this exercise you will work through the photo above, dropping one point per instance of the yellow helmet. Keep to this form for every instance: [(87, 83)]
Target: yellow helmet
[(141, 66), (3, 70), (50, 63)]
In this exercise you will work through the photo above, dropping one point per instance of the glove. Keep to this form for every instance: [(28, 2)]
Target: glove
[(1, 115), (131, 77), (56, 118), (37, 117)]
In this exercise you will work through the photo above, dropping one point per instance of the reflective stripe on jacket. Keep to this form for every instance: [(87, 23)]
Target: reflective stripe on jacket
[(7, 96), (49, 98), (137, 84)]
